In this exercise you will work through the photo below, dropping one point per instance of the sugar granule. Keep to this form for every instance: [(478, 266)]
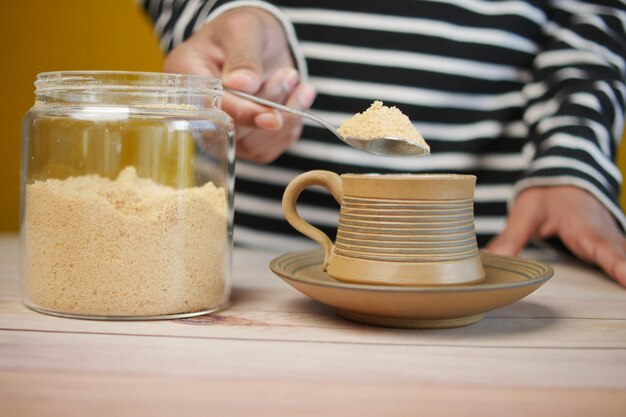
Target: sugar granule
[(124, 247), (380, 121)]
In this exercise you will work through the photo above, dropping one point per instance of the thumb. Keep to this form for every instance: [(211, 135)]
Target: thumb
[(243, 62), (243, 71), (521, 224)]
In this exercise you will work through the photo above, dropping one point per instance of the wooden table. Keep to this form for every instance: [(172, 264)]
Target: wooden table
[(560, 351)]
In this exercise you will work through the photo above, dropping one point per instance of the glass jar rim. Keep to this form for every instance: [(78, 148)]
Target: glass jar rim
[(135, 81)]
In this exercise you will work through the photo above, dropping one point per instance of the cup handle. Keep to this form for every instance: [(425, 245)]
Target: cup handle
[(327, 179)]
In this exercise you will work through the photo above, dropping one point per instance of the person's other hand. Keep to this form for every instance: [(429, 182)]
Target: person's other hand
[(573, 215), (247, 48)]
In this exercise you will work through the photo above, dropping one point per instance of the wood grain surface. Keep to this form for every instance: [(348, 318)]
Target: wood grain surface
[(559, 352)]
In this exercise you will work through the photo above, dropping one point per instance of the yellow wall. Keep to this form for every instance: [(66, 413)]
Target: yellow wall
[(49, 35)]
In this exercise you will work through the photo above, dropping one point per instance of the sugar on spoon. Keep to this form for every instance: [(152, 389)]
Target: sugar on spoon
[(385, 146)]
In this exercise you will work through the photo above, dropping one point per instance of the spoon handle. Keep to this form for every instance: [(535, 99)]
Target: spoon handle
[(284, 108)]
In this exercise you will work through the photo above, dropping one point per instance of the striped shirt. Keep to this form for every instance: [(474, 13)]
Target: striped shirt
[(518, 93)]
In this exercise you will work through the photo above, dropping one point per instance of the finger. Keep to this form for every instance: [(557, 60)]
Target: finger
[(619, 272), (522, 224), (269, 121), (245, 113), (259, 146), (578, 239), (588, 243), (192, 58), (302, 97), (262, 146), (548, 228), (610, 256), (263, 149), (585, 224), (280, 85), (243, 46), (277, 88)]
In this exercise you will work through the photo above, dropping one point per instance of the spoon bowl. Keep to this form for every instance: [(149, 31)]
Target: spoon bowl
[(386, 146)]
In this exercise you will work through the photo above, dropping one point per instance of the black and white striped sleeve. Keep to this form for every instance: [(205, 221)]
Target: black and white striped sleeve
[(176, 20), (576, 100)]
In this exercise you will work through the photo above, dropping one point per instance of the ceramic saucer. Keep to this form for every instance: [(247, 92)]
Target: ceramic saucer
[(508, 279)]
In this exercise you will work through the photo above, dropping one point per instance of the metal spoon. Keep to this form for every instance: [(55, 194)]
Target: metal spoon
[(386, 146)]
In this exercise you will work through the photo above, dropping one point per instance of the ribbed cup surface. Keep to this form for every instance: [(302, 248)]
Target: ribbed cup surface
[(406, 230)]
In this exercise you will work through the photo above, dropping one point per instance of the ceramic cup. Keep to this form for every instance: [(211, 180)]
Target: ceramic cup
[(395, 229)]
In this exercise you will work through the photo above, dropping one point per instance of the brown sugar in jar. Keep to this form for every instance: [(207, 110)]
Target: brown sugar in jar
[(128, 247)]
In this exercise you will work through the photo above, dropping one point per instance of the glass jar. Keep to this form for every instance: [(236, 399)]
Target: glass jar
[(127, 196)]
